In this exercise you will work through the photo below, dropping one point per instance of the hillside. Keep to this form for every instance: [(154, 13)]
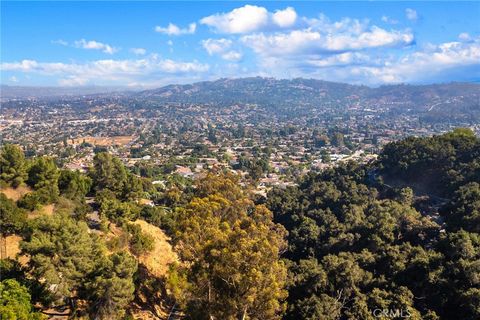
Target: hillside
[(339, 243), (452, 99)]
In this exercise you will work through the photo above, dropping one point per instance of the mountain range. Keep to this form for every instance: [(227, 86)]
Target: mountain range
[(460, 101)]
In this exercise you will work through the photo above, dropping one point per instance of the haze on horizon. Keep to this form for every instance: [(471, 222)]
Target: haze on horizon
[(152, 44)]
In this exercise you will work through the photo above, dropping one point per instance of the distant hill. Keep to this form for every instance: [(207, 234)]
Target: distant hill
[(254, 90), (449, 100), (23, 92), (268, 90), (435, 102)]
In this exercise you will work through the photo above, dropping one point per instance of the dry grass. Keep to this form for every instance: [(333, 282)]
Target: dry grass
[(144, 201), (46, 210), (103, 141), (15, 193), (11, 249), (162, 255), (12, 246)]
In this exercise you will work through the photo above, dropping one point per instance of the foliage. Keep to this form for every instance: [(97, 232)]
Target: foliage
[(62, 253), (231, 253), (112, 287), (140, 242), (439, 164), (12, 218), (114, 209), (74, 185), (463, 211), (43, 178), (43, 173), (13, 168), (15, 302), (153, 214), (355, 249), (108, 173), (356, 245)]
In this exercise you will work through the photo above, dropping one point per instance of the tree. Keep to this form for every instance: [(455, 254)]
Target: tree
[(112, 288), (73, 184), (63, 253), (13, 169), (43, 177), (12, 218), (108, 173), (140, 242), (231, 253), (43, 173), (115, 210), (463, 211), (15, 302), (353, 252)]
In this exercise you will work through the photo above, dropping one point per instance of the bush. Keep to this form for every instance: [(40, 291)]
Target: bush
[(31, 201), (140, 243), (152, 215), (12, 218)]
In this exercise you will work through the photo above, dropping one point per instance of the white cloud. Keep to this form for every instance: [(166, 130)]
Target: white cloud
[(424, 65), (308, 41), (240, 20), (411, 14), (215, 46), (344, 25), (285, 18), (232, 56), (250, 18), (138, 51), (221, 47), (95, 45), (13, 79), (170, 42), (464, 36), (174, 30), (109, 71), (389, 20), (433, 64)]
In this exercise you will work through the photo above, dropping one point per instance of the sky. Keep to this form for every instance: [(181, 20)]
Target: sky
[(150, 44)]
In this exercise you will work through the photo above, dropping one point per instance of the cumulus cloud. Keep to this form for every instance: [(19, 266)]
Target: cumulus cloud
[(121, 71), (240, 20), (221, 47), (309, 41), (411, 14), (214, 46), (445, 57), (250, 18), (174, 30), (95, 45), (285, 18), (437, 63)]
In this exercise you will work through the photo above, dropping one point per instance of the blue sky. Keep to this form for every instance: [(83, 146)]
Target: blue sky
[(150, 44)]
